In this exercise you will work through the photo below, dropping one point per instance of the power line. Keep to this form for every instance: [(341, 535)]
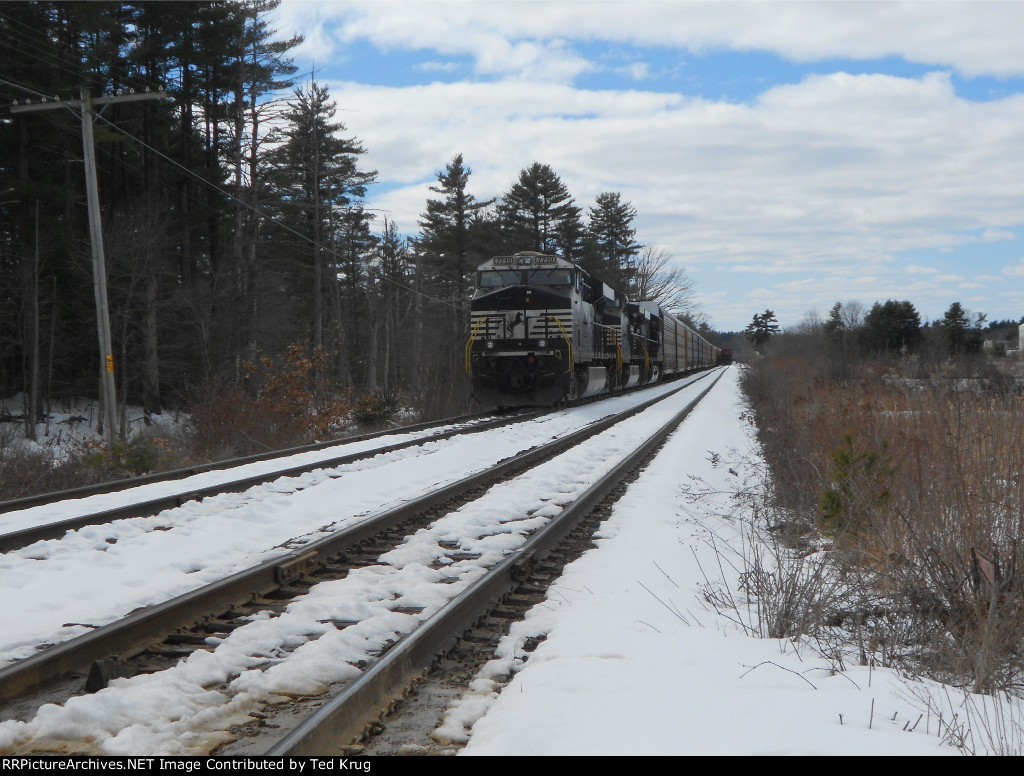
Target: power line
[(29, 90), (329, 250), (270, 218), (305, 238), (31, 38)]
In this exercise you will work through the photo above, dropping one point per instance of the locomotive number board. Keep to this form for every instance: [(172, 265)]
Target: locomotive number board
[(524, 261)]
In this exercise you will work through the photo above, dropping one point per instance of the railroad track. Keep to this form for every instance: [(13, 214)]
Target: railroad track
[(55, 528), (152, 640), (189, 471)]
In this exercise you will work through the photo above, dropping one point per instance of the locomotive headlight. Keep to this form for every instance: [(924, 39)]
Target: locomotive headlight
[(542, 343), (490, 344)]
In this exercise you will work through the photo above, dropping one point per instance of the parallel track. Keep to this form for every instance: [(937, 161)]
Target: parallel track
[(280, 578), (345, 720), (22, 538), (27, 502)]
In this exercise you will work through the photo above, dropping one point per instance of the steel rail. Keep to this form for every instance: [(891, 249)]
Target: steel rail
[(343, 720), (115, 486), (134, 632), (26, 536)]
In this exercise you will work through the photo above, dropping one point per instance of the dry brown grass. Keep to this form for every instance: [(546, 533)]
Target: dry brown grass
[(918, 484)]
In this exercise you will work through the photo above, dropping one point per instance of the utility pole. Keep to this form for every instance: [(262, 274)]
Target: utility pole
[(99, 269)]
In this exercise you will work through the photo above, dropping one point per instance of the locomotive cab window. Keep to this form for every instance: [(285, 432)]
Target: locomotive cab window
[(498, 278), (549, 277)]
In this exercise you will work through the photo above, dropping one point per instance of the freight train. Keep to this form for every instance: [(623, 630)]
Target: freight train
[(544, 331)]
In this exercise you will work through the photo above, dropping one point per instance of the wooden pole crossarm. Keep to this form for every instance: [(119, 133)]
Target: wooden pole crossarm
[(29, 107)]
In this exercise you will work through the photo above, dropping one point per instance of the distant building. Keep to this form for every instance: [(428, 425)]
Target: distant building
[(1006, 346)]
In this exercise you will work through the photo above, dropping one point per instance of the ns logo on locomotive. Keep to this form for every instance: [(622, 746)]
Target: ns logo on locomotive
[(544, 331)]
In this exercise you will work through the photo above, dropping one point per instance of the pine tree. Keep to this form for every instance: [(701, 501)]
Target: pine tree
[(447, 243), (261, 67), (835, 327), (392, 270), (536, 214), (571, 237), (893, 326), (762, 328), (316, 171), (173, 240), (955, 325), (613, 238), (350, 271)]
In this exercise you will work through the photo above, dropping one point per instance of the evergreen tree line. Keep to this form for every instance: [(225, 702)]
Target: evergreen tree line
[(891, 327), (235, 222)]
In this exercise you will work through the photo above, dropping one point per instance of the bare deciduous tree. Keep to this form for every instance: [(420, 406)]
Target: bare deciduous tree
[(658, 279), (853, 313), (811, 324)]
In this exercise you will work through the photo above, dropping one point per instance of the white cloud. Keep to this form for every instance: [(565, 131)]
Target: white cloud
[(439, 67), (498, 40), (638, 71), (838, 173), (833, 177), (973, 37), (997, 235), (1015, 270)]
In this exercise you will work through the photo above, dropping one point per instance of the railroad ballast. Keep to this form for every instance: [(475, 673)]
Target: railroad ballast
[(543, 331)]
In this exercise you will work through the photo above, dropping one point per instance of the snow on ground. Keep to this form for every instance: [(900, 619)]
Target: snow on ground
[(636, 663), (555, 424), (70, 424), (61, 588), (176, 711), (69, 508)]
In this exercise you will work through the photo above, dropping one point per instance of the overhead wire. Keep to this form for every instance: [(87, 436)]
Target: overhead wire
[(248, 206), (24, 88), (163, 184), (47, 56)]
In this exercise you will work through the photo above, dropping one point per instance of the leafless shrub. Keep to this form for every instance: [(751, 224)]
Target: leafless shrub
[(970, 723), (915, 481), (21, 471), (286, 401), (31, 470), (780, 593)]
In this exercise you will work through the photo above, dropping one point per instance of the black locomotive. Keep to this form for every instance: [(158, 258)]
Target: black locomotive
[(543, 331)]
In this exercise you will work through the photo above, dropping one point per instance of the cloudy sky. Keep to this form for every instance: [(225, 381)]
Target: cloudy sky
[(788, 155)]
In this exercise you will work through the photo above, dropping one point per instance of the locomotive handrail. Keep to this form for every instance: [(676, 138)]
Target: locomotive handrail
[(618, 348), (565, 334), (469, 342)]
